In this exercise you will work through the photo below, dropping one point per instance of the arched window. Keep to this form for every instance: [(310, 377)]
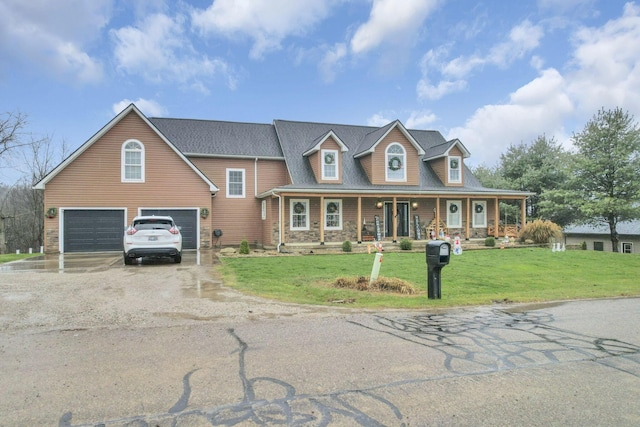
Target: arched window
[(132, 161), (396, 169)]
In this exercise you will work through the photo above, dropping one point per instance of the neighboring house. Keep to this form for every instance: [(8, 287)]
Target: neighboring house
[(598, 238), (271, 184)]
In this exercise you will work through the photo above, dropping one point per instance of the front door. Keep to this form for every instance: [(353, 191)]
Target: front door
[(402, 213)]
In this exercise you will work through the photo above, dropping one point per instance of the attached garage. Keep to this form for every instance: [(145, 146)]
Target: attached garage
[(92, 230), (187, 220)]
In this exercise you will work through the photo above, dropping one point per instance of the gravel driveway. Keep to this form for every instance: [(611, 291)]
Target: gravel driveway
[(100, 292)]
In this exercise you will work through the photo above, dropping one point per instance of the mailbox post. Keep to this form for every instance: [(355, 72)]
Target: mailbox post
[(438, 254)]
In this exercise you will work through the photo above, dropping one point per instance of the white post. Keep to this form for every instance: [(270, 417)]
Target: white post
[(17, 251), (375, 270), (30, 250)]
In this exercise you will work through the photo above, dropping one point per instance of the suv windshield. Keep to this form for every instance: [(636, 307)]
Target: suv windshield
[(152, 224)]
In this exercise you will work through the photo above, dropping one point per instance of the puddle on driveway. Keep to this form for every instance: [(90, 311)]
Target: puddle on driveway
[(92, 262), (207, 289)]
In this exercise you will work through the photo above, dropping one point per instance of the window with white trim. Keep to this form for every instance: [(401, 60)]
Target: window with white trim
[(395, 158), (329, 164), (627, 247), (455, 169), (454, 214), (235, 183), (333, 214), (132, 169), (299, 214), (479, 214), (264, 209)]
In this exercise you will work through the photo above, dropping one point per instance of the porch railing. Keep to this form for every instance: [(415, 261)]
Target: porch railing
[(510, 230)]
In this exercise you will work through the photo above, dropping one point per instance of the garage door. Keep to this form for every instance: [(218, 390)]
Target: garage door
[(93, 230), (186, 219)]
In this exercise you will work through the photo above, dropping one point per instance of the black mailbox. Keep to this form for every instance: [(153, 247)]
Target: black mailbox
[(438, 254)]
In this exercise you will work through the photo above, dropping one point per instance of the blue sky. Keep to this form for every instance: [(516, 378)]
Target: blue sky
[(491, 73)]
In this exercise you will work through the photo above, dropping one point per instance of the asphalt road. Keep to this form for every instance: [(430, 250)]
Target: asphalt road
[(573, 363)]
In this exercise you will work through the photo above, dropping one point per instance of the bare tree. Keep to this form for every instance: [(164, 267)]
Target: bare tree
[(11, 136), (22, 206)]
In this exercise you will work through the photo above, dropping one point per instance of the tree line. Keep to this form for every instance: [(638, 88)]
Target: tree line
[(598, 182), (22, 207)]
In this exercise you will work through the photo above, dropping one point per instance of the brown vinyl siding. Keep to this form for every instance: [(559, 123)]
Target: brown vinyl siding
[(379, 162), (230, 214), (94, 178), (439, 166)]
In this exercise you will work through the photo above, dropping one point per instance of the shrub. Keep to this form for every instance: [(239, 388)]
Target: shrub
[(346, 246), (583, 246), (490, 241), (406, 244), (244, 247), (541, 231)]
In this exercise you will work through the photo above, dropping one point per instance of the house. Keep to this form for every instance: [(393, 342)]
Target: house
[(598, 238), (273, 184)]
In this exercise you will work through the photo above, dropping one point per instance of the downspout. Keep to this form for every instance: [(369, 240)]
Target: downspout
[(255, 178), (273, 193)]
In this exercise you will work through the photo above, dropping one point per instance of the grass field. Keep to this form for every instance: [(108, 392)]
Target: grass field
[(475, 277), (15, 257)]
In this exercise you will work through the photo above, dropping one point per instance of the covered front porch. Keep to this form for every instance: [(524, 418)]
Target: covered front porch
[(333, 218)]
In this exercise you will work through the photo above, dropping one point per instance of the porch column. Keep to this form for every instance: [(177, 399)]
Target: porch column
[(395, 220), (359, 221), (466, 231), (283, 231), (437, 217), (321, 220), (523, 219), (496, 219)]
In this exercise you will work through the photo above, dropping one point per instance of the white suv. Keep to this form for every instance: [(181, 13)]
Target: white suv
[(152, 236)]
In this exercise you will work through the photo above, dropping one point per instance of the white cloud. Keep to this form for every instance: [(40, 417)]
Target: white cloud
[(539, 107), (54, 38), (159, 50), (606, 65), (148, 107), (522, 39), (266, 22), (391, 21), (420, 119), (378, 120), (330, 64)]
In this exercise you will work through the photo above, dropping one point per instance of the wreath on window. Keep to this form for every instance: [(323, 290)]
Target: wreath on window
[(395, 163), (453, 208), (298, 208), (454, 163), (52, 212), (332, 207), (479, 208), (329, 158)]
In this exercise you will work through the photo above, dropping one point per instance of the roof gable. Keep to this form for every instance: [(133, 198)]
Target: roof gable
[(317, 143), (131, 109), (442, 150), (372, 139)]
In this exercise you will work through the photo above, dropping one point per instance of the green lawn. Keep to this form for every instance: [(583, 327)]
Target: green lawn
[(13, 257), (475, 277)]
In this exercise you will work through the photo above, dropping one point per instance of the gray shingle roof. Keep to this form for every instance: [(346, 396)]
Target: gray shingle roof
[(288, 140), (628, 228), (216, 138)]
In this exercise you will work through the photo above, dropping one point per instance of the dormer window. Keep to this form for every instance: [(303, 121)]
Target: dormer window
[(396, 169), (455, 169), (132, 169), (329, 164)]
